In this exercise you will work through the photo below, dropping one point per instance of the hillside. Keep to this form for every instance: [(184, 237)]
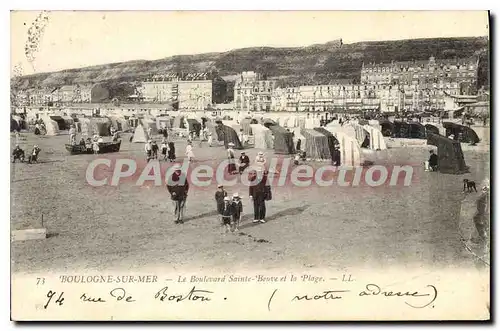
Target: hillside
[(316, 64)]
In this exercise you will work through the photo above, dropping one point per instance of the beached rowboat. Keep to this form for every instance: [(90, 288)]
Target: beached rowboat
[(106, 147)]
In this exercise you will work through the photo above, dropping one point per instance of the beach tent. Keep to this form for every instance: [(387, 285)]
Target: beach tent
[(163, 122), (387, 128), (150, 124), (193, 125), (462, 133), (360, 133), (68, 121), (245, 125), (60, 122), (179, 122), (212, 129), (417, 130), (316, 145), (50, 125), (450, 155), (229, 136), (435, 128), (119, 123), (100, 126), (84, 126), (301, 123), (140, 135), (263, 138), (345, 128), (350, 153), (20, 123), (331, 140), (283, 140), (375, 124), (376, 139), (401, 129), (14, 125), (293, 122)]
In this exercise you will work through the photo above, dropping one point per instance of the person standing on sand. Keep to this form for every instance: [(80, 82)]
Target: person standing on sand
[(178, 187), (189, 152), (259, 192)]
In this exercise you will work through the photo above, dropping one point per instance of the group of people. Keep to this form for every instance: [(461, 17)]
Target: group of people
[(167, 150), (19, 155)]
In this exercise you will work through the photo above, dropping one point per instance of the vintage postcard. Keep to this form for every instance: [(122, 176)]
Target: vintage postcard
[(250, 165)]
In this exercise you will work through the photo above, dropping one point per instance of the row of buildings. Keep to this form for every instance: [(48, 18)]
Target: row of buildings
[(390, 87), (386, 87), (191, 91)]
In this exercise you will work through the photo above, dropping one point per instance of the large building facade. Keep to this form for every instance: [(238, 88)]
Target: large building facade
[(429, 73), (252, 93)]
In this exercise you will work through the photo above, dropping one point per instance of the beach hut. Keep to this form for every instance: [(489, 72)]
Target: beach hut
[(283, 140), (228, 136), (140, 135), (316, 145), (150, 125), (193, 125), (20, 123), (375, 124), (163, 122), (179, 122), (417, 130), (119, 123), (245, 125), (401, 129), (61, 124), (100, 126), (387, 128), (450, 155), (345, 128), (68, 121), (435, 128), (263, 138), (376, 139), (462, 133), (360, 133), (51, 127), (331, 140), (350, 153)]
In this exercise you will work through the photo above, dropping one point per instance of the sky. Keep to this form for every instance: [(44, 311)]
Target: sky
[(74, 39)]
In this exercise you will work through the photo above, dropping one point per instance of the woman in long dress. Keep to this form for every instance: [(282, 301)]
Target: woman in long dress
[(231, 168), (210, 139), (189, 152)]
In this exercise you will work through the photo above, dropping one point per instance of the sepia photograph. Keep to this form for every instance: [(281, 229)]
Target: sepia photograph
[(250, 165)]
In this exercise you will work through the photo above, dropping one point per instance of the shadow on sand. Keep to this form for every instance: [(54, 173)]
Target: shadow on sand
[(247, 219)]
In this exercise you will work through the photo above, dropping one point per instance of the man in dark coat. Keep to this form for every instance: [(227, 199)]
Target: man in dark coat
[(178, 188), (244, 162), (258, 192)]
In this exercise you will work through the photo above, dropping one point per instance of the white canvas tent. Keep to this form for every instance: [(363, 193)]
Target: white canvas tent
[(51, 126), (377, 141), (140, 135), (350, 152), (262, 136)]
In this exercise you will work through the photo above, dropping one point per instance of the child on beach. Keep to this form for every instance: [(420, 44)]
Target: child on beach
[(237, 211), (227, 214)]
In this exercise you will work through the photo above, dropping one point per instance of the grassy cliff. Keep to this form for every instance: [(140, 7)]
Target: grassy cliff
[(316, 64)]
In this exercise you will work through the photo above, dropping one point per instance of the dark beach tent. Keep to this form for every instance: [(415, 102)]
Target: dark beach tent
[(387, 128), (69, 121), (331, 139), (283, 140), (61, 123), (229, 136), (193, 125), (450, 155), (316, 146), (179, 122), (401, 129), (100, 126), (462, 133), (429, 128), (14, 125), (417, 130)]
